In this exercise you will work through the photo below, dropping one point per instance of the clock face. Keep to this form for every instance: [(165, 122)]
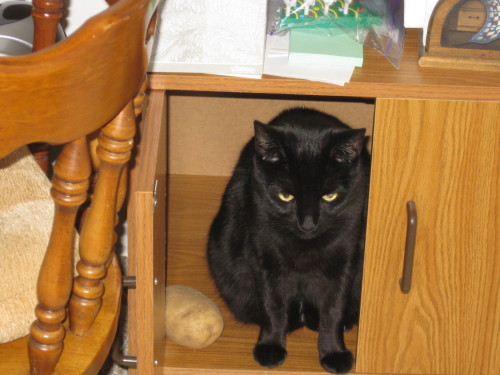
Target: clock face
[(473, 24)]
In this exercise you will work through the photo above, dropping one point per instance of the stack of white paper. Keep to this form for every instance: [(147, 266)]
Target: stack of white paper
[(219, 37), (276, 63)]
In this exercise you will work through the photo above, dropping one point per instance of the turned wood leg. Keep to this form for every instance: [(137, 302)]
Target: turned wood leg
[(40, 152), (69, 190), (46, 16), (123, 186), (120, 199), (139, 99), (98, 236)]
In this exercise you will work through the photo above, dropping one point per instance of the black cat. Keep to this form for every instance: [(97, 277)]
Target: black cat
[(286, 247)]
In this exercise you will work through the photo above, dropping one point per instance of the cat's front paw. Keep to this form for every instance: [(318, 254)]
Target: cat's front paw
[(269, 355), (338, 362)]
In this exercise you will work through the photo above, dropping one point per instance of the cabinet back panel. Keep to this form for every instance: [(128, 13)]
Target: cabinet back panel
[(208, 133)]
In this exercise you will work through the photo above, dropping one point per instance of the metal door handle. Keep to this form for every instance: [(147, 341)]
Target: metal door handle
[(127, 361), (411, 236)]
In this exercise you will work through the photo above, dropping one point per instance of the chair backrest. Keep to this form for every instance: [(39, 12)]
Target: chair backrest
[(85, 80), (59, 95)]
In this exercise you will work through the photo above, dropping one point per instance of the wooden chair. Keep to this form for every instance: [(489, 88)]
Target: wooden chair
[(59, 95)]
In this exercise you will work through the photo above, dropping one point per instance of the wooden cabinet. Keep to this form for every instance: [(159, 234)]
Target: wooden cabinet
[(444, 156), (436, 141)]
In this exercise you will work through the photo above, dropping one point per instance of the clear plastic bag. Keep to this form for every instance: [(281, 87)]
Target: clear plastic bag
[(377, 24)]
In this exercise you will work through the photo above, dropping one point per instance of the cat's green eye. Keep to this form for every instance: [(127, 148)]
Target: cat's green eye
[(330, 197), (285, 197)]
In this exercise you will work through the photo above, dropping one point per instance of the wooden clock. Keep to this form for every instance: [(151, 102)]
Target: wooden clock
[(464, 34)]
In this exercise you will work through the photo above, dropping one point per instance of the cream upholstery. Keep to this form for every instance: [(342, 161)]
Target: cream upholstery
[(26, 212)]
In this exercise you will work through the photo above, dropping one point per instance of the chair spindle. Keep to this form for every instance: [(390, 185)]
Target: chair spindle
[(46, 17), (98, 237), (69, 190)]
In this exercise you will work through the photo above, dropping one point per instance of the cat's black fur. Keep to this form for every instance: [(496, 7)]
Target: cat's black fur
[(284, 265)]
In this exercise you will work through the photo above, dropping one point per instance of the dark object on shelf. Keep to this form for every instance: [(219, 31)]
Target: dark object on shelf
[(464, 34)]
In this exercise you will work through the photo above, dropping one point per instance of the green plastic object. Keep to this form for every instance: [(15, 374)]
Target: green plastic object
[(315, 47), (358, 16)]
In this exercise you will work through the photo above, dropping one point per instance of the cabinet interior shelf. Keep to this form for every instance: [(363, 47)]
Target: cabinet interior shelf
[(192, 203)]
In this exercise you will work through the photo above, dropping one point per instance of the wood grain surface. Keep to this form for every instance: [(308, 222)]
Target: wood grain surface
[(376, 79), (88, 80), (442, 153), (146, 240), (445, 157), (193, 202)]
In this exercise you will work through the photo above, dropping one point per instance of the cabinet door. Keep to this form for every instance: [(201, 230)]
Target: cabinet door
[(147, 239), (444, 155)]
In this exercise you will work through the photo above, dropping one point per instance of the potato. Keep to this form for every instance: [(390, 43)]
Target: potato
[(192, 319)]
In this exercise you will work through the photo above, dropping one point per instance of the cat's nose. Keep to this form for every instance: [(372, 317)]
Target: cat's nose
[(308, 224)]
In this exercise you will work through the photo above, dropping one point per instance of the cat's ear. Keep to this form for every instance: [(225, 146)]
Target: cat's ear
[(348, 145), (266, 146)]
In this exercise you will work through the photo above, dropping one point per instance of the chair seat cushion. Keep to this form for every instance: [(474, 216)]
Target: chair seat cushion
[(26, 213)]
